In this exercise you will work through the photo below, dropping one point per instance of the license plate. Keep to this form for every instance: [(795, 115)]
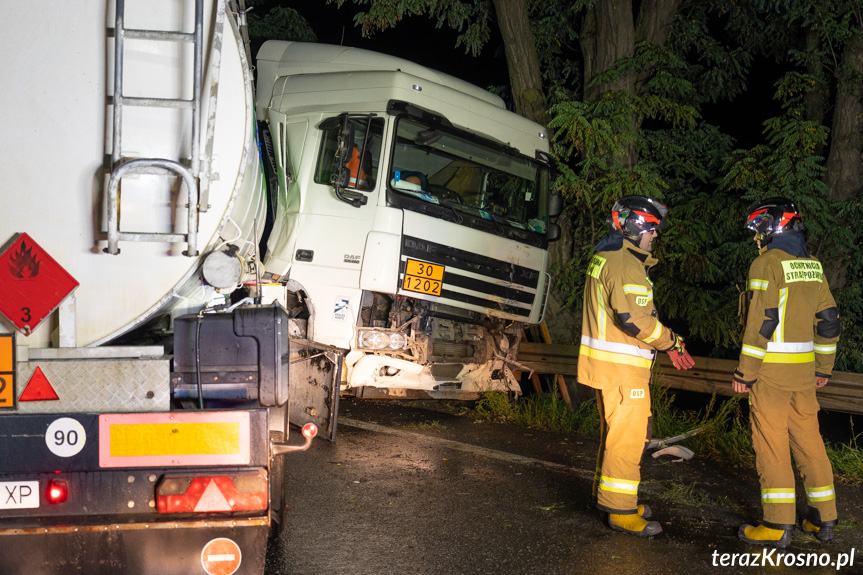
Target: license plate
[(19, 494), (422, 277)]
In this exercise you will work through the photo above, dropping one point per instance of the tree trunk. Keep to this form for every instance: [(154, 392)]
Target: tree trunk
[(844, 167), (816, 99), (653, 27), (522, 60), (608, 34)]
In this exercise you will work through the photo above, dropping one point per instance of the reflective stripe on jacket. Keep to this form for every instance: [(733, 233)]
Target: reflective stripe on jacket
[(620, 331), (792, 324)]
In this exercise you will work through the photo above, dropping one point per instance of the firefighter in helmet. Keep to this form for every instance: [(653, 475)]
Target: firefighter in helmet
[(788, 350), (620, 336)]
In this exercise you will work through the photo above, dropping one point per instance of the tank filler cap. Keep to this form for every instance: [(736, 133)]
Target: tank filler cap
[(223, 269)]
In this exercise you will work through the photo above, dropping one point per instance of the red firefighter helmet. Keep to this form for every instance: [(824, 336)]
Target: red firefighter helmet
[(774, 217), (634, 215)]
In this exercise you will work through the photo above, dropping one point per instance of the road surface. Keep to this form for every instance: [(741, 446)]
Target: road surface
[(406, 490)]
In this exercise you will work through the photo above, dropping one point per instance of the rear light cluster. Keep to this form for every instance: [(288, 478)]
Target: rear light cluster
[(245, 491), (57, 492), (378, 340)]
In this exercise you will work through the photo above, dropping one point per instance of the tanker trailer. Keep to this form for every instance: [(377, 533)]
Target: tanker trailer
[(143, 392)]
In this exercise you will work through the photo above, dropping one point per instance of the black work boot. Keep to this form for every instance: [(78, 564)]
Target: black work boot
[(813, 525)]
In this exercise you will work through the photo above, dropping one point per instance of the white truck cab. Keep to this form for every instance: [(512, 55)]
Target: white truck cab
[(412, 219)]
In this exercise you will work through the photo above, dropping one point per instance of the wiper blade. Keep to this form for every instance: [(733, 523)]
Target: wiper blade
[(458, 217)]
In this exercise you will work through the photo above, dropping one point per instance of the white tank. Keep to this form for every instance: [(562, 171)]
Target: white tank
[(56, 60)]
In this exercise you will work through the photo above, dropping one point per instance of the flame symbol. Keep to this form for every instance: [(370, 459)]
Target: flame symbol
[(23, 264)]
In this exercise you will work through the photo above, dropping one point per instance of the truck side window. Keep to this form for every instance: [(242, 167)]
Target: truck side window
[(364, 161)]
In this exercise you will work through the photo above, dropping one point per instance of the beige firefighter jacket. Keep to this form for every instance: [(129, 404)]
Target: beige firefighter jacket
[(792, 323), (620, 330)]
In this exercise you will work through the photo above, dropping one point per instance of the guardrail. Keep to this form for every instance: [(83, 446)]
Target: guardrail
[(844, 393)]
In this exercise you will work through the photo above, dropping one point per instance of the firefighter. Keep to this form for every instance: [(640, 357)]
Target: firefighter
[(619, 339), (788, 350)]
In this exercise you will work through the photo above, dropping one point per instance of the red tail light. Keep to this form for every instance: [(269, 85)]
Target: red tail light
[(57, 492), (245, 491)]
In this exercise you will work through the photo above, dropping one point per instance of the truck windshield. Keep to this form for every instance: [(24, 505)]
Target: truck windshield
[(474, 180)]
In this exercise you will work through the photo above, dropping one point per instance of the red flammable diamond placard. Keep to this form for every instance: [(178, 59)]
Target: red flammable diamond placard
[(32, 284)]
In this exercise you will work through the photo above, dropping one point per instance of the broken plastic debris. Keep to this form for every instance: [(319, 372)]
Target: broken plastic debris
[(683, 453)]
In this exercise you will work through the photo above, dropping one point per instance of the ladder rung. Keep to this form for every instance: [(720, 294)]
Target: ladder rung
[(155, 102), (164, 35), (152, 171), (151, 237)]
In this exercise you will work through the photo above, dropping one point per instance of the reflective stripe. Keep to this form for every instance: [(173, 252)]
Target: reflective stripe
[(825, 493), (825, 348), (657, 331), (635, 288), (778, 333), (757, 284), (790, 352), (618, 485), (601, 317), (753, 351), (617, 347), (790, 346), (777, 495), (790, 357), (618, 358)]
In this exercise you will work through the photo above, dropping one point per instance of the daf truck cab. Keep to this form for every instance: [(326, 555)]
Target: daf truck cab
[(412, 220)]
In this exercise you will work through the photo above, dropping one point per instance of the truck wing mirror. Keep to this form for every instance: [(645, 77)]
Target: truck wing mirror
[(552, 234), (341, 173), (555, 203)]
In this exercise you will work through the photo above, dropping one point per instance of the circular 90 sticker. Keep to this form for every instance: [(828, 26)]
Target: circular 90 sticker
[(65, 437)]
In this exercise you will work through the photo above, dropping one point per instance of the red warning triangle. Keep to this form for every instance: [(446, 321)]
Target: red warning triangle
[(38, 388), (212, 499)]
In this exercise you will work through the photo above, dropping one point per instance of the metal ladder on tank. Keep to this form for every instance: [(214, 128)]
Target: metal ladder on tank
[(189, 175)]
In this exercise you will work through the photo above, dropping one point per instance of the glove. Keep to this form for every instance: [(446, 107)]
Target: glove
[(679, 356)]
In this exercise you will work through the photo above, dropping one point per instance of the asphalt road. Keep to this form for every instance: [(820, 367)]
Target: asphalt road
[(410, 491)]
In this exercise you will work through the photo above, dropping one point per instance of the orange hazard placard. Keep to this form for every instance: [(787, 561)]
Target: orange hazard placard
[(7, 370), (221, 557)]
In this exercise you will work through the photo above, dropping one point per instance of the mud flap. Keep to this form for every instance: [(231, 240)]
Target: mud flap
[(315, 377)]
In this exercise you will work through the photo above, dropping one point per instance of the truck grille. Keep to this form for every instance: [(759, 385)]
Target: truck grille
[(472, 281)]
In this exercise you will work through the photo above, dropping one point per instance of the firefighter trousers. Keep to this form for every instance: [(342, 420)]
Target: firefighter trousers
[(785, 422), (625, 429)]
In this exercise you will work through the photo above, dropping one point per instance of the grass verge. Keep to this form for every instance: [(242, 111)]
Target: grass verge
[(724, 427)]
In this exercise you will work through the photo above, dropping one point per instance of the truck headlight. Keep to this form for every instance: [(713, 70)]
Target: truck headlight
[(372, 339), (398, 341)]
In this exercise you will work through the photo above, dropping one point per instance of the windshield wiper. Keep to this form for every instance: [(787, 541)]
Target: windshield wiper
[(458, 217)]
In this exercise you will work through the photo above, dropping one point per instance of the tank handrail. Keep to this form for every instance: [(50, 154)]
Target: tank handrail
[(149, 166)]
